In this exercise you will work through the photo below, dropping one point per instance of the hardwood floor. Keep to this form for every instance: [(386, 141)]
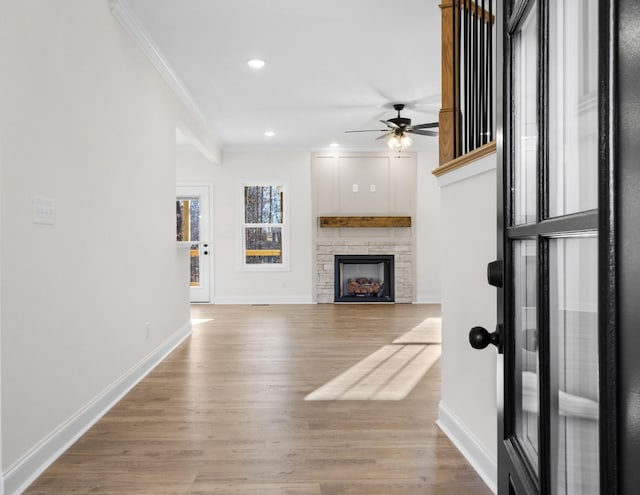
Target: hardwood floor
[(225, 414)]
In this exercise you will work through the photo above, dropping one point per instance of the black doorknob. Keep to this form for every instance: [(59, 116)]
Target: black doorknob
[(494, 273), (479, 338)]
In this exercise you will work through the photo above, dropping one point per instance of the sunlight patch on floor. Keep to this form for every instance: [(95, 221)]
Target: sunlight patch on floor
[(197, 321), (426, 332), (390, 373)]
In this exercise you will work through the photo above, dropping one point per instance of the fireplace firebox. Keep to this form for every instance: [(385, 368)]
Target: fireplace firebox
[(364, 278)]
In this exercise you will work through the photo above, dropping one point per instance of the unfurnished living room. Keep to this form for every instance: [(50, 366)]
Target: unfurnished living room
[(233, 260)]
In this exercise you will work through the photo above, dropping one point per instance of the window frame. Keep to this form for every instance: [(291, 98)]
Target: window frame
[(241, 250)]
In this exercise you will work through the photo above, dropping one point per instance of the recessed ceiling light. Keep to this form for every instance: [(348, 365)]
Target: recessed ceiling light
[(256, 63), (334, 145), (269, 133)]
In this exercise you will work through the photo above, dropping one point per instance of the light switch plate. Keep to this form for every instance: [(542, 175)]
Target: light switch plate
[(355, 188), (44, 210)]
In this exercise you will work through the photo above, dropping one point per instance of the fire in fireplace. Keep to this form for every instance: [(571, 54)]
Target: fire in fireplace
[(364, 278)]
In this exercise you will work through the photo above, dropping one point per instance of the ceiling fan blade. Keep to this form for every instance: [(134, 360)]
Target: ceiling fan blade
[(385, 135), (390, 124), (430, 125), (370, 130), (423, 133)]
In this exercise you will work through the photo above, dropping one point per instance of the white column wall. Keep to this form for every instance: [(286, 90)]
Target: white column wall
[(468, 412), (428, 234), (2, 88)]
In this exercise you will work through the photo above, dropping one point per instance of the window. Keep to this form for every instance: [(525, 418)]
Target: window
[(264, 231)]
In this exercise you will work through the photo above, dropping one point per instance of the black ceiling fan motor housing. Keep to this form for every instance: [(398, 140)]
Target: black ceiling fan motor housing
[(401, 121)]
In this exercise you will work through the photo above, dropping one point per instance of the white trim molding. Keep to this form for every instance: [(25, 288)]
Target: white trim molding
[(468, 444), (428, 299), (19, 476), (125, 15), (264, 300)]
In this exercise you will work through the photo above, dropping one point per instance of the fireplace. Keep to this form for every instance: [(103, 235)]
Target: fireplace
[(364, 278)]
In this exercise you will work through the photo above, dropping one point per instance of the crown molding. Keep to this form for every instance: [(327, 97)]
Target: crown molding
[(121, 10)]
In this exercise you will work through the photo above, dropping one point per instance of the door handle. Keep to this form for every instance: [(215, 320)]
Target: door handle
[(480, 338), (494, 273)]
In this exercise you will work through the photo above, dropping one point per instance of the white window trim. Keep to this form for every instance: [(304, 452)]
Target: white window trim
[(240, 250)]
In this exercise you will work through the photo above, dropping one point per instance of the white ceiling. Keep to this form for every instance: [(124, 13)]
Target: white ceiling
[(331, 66)]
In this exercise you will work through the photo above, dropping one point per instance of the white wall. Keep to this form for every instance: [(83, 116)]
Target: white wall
[(231, 284), (428, 235), (468, 404), (2, 91), (87, 121)]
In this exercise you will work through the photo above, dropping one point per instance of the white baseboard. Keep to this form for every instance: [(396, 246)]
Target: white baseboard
[(468, 444), (428, 299), (264, 300), (19, 476)]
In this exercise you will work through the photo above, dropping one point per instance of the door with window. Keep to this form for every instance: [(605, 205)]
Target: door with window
[(555, 275), (193, 229)]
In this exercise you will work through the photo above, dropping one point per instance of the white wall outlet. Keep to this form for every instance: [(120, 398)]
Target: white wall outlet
[(355, 188), (44, 210), (147, 325), (372, 188)]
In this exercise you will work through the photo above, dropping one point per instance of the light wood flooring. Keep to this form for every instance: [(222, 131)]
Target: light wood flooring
[(225, 414)]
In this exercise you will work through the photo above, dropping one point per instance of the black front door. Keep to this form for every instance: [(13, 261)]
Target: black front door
[(568, 337)]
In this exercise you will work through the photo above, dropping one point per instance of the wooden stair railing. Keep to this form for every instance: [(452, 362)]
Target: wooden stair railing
[(466, 117)]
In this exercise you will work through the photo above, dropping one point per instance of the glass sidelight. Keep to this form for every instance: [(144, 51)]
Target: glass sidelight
[(573, 326), (527, 407), (525, 143), (573, 106)]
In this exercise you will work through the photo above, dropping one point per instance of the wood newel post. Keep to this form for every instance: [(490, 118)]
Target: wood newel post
[(450, 108)]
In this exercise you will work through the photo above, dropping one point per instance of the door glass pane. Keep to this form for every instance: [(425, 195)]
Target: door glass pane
[(526, 345), (573, 106), (573, 316), (187, 219), (194, 256), (188, 229), (525, 128)]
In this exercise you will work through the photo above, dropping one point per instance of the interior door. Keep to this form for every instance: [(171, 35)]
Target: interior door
[(548, 336), (193, 228)]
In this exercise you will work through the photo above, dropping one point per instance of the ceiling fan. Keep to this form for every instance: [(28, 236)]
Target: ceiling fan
[(399, 128)]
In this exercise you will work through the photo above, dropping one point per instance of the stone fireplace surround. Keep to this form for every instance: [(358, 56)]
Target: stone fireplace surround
[(401, 248)]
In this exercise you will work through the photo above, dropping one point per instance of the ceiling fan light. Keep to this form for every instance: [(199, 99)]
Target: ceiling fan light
[(394, 143), (399, 141), (406, 141)]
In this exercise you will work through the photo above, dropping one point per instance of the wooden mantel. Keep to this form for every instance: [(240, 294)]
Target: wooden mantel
[(379, 222)]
